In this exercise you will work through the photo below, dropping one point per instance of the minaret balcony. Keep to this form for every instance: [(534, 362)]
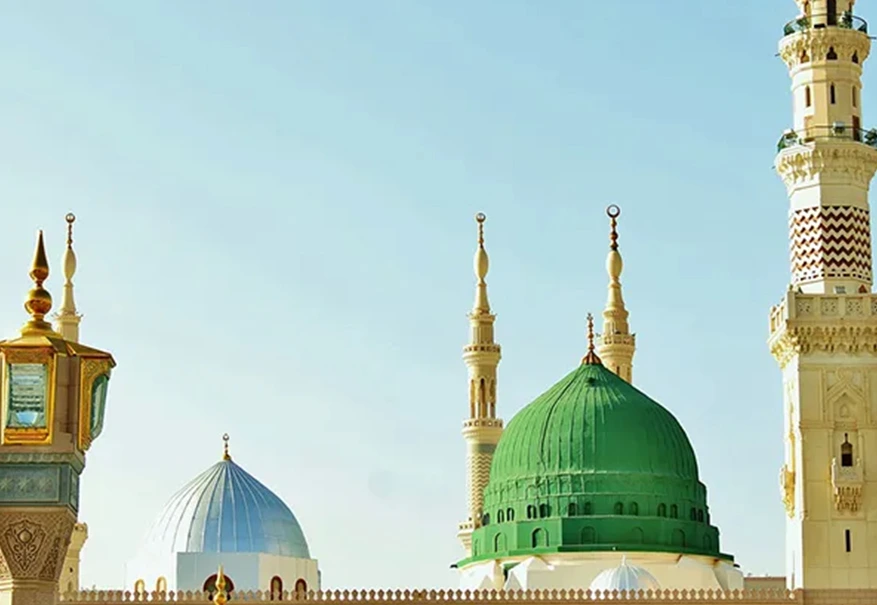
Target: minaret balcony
[(844, 20), (847, 482), (838, 132)]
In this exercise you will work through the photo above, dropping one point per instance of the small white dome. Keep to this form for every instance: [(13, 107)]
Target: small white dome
[(624, 577)]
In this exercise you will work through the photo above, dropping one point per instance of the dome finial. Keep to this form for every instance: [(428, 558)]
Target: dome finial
[(225, 454), (220, 597), (591, 359), (39, 301)]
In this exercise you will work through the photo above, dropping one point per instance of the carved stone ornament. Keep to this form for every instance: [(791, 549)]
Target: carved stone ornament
[(787, 490), (848, 484), (814, 44), (33, 544), (842, 158)]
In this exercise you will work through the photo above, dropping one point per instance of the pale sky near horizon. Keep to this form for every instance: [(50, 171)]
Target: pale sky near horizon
[(275, 235)]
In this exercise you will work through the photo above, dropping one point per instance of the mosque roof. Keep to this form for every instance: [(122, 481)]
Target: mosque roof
[(225, 509), (594, 464)]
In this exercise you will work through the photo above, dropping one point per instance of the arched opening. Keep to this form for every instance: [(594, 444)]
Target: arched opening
[(674, 511), (619, 508), (804, 58), (589, 535), (700, 515), (678, 537), (210, 585), (633, 509), (544, 511), (301, 587), (531, 511), (808, 97), (636, 535), (662, 510), (510, 514), (846, 452), (500, 516), (485, 519), (832, 94), (276, 588), (140, 586), (856, 58), (572, 510), (499, 543), (692, 514), (161, 585), (539, 538), (482, 400), (472, 399), (832, 55), (587, 509)]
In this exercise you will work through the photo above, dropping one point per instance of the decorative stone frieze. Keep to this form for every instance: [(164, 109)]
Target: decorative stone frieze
[(814, 45), (827, 159)]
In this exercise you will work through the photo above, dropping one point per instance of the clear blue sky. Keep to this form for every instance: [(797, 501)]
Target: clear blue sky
[(275, 235)]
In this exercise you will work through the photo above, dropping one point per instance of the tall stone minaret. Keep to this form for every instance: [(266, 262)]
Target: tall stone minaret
[(67, 319), (824, 332), (617, 344), (482, 428)]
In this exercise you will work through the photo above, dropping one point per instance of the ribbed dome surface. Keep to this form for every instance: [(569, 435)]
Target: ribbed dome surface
[(625, 577), (225, 509), (594, 464), (593, 422)]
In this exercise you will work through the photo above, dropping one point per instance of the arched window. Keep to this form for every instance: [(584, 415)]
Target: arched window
[(588, 509), (662, 510), (572, 510), (619, 508), (832, 55), (499, 543), (301, 587), (161, 585), (700, 515), (276, 588), (692, 514), (531, 511), (210, 585), (544, 510), (485, 519), (846, 452), (674, 511), (500, 516), (832, 95), (808, 97), (678, 537), (539, 538), (633, 509), (510, 514), (140, 586)]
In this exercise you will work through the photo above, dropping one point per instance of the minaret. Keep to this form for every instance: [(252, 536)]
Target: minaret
[(67, 319), (51, 409), (617, 344), (824, 332), (482, 428), (69, 581)]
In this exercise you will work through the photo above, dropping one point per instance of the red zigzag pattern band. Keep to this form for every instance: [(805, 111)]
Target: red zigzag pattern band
[(830, 241)]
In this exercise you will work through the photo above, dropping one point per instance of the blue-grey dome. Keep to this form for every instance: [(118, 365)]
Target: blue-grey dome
[(225, 509)]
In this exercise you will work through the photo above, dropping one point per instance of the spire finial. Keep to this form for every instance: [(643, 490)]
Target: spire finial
[(67, 319), (613, 212), (482, 265), (591, 359), (220, 597), (39, 301), (225, 454)]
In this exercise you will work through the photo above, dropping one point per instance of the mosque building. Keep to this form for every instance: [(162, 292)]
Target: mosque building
[(594, 486)]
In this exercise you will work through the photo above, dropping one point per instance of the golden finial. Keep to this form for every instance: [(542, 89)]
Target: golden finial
[(482, 265), (39, 301), (225, 454), (591, 359), (220, 597), (67, 319), (480, 218), (613, 212)]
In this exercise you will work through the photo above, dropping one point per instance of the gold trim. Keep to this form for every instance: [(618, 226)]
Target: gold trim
[(21, 436), (89, 371)]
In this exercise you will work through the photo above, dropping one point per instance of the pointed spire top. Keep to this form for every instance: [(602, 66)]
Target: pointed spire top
[(225, 454), (591, 359), (220, 597), (67, 319), (39, 301), (482, 265)]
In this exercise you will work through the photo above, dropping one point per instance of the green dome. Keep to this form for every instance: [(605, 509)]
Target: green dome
[(594, 464)]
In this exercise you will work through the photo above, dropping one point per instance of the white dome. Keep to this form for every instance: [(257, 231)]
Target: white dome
[(625, 577)]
